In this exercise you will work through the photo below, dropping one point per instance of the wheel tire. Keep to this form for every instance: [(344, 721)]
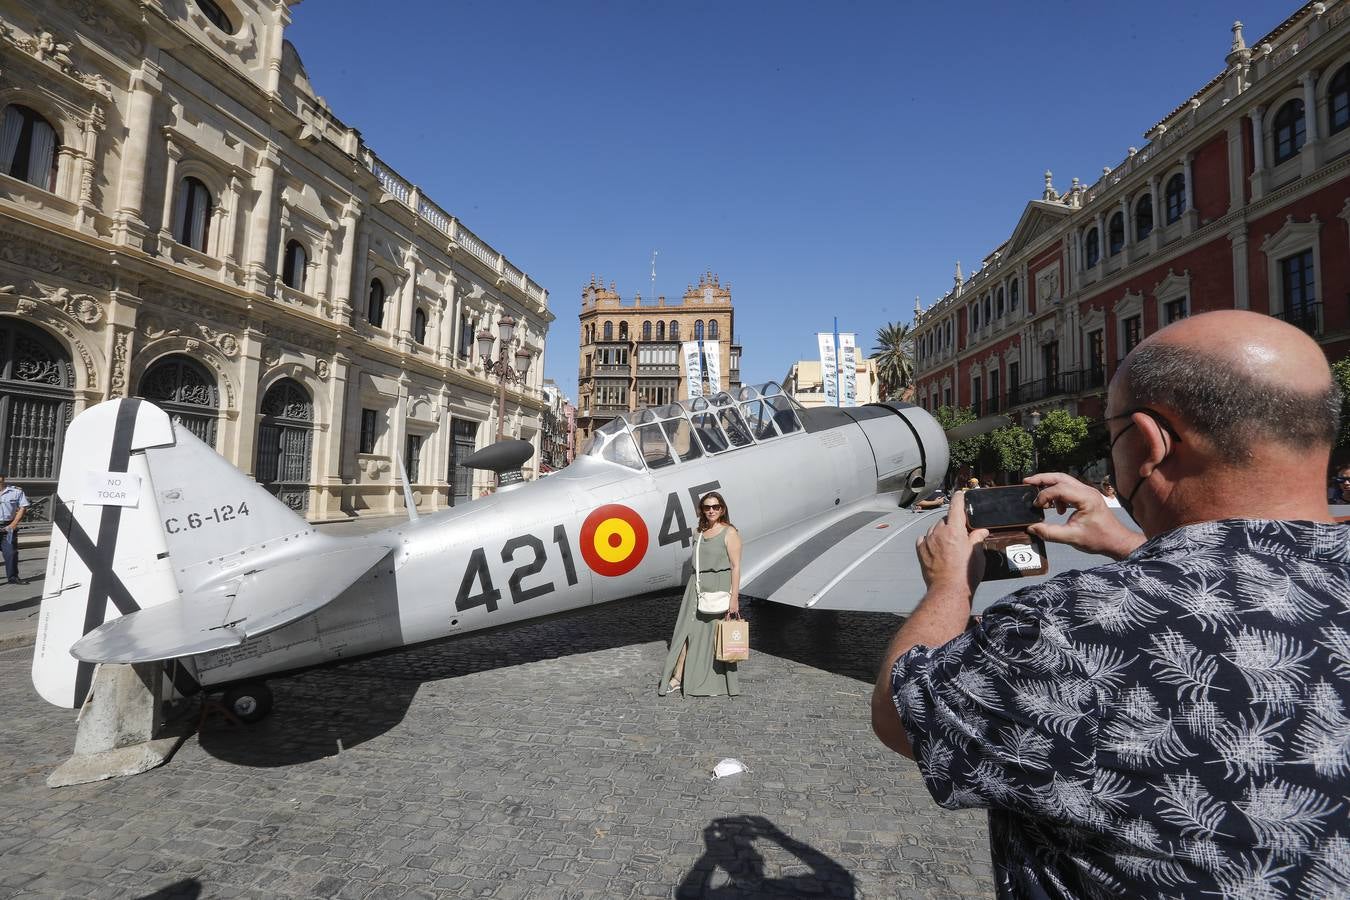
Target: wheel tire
[(249, 702)]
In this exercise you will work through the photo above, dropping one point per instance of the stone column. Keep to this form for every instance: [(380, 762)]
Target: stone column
[(1155, 207), (250, 374), (321, 269), (362, 286), (166, 222), (1236, 198), (1127, 225), (407, 301), (1312, 144), (342, 287), (1241, 287), (1192, 215), (229, 236), (1258, 156), (1100, 223), (129, 228), (399, 429), (257, 256)]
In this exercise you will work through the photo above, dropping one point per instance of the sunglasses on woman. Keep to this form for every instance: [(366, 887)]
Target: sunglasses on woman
[(712, 506)]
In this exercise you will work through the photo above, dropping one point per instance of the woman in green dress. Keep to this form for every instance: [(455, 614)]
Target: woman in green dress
[(692, 665)]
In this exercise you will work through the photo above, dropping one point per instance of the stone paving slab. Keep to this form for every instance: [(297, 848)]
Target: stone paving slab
[(536, 762)]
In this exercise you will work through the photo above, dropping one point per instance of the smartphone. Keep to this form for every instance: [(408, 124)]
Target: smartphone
[(1003, 507)]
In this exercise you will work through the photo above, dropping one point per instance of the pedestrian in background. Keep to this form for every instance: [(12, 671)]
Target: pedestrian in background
[(691, 663), (1109, 493), (13, 507), (1174, 723), (1339, 491)]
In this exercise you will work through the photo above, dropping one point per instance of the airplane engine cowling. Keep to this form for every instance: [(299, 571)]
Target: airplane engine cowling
[(910, 449)]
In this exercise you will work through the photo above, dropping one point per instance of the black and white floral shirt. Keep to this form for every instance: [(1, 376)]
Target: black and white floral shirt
[(1175, 724)]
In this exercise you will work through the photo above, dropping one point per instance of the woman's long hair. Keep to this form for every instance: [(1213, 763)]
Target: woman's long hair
[(703, 523)]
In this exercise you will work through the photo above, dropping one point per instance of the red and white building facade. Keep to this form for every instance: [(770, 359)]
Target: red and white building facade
[(1240, 199)]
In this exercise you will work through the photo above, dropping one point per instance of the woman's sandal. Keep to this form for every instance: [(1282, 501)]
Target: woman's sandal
[(673, 687)]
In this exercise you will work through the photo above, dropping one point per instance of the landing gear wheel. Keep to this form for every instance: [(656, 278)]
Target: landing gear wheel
[(249, 702)]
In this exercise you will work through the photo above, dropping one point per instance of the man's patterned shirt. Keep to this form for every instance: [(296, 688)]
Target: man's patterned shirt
[(1175, 724)]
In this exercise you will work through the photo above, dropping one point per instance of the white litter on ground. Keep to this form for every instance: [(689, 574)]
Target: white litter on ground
[(729, 767)]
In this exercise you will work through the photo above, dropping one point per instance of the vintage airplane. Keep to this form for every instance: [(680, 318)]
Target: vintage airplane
[(164, 551)]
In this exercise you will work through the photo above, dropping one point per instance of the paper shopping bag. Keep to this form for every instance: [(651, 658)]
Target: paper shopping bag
[(733, 639)]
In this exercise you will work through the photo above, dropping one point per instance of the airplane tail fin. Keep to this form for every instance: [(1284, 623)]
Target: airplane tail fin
[(144, 514)]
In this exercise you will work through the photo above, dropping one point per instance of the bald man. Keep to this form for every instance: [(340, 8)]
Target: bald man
[(1176, 722)]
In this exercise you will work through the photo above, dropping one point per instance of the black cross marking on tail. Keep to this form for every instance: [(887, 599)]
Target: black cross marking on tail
[(104, 585)]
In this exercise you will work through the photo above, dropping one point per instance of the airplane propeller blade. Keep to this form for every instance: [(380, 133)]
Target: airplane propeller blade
[(978, 427)]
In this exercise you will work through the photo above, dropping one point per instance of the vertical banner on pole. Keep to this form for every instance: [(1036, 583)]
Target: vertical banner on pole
[(692, 369), (713, 357), (829, 368), (848, 368)]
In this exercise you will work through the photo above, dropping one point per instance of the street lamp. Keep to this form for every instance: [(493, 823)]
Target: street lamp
[(1035, 456), (500, 366)]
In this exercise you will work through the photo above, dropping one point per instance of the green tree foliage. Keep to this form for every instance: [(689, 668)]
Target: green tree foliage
[(1341, 372), (1007, 450), (959, 453), (894, 354), (1062, 441)]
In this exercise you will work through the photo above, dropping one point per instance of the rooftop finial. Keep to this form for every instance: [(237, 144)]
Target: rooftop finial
[(1049, 193), (1238, 42)]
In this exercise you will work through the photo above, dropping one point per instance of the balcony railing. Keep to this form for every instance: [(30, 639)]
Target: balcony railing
[(1307, 318), (1074, 382)]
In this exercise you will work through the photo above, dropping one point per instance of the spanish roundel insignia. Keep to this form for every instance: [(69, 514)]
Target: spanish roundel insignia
[(613, 540)]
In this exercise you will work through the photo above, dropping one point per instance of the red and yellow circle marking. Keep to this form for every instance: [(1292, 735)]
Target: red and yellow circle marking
[(613, 540)]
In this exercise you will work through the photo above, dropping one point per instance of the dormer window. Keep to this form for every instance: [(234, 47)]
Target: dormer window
[(212, 11)]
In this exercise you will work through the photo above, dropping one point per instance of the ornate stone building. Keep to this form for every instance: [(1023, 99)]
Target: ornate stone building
[(1237, 200), (182, 218), (630, 350)]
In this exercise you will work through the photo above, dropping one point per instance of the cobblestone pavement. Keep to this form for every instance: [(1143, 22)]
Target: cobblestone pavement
[(534, 762)]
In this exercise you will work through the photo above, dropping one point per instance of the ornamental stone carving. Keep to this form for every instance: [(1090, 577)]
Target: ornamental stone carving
[(81, 307), (121, 353), (321, 369), (223, 341)]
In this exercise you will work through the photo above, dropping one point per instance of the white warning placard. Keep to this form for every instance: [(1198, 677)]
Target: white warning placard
[(112, 489)]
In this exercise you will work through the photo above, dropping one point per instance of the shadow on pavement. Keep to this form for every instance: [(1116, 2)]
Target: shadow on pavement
[(354, 701), (733, 866), (187, 889)]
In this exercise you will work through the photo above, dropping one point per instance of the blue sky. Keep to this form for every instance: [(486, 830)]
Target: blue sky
[(825, 158)]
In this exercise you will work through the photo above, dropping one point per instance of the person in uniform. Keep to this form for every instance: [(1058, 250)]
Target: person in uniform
[(13, 507)]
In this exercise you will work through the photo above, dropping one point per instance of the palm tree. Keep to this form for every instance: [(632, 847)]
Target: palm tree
[(894, 355)]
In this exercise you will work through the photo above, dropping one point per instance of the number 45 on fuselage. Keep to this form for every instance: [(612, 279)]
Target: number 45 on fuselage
[(199, 563)]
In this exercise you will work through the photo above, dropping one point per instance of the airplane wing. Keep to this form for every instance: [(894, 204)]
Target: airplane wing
[(866, 562), (260, 601)]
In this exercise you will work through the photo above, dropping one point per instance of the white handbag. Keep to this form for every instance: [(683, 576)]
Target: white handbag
[(710, 603)]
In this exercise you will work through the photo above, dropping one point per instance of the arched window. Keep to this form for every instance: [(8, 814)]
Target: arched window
[(623, 331), (974, 316), (674, 330), (988, 309), (420, 326), (1143, 217), (712, 330), (1338, 101), (192, 214), (186, 390), (1092, 248), (1115, 234), (37, 393), (647, 330), (212, 11), (284, 441), (28, 147), (660, 331), (698, 329), (1289, 131), (1013, 292), (375, 303), (1175, 197), (293, 266), (609, 331), (998, 303)]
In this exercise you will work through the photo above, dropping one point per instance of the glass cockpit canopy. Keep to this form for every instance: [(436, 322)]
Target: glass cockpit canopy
[(656, 437)]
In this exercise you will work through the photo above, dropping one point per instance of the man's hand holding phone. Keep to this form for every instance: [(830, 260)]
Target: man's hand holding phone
[(1092, 528), (950, 555)]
